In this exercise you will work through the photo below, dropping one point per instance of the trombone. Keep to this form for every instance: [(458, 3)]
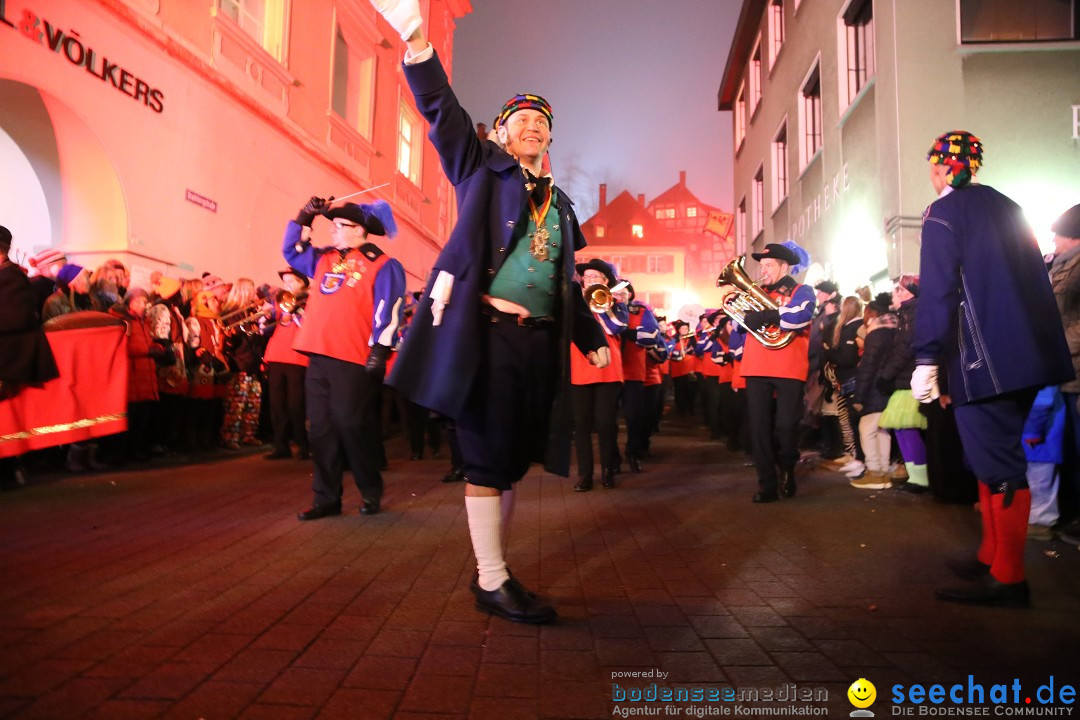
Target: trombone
[(600, 298)]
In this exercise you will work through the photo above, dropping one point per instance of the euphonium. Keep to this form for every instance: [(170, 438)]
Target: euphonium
[(747, 297), (599, 298)]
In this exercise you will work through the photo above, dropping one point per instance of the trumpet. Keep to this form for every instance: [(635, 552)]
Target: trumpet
[(749, 296), (599, 298), (291, 303), (245, 310)]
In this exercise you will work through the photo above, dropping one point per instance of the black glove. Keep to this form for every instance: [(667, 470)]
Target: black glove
[(885, 385), (760, 318), (315, 206), (376, 362)]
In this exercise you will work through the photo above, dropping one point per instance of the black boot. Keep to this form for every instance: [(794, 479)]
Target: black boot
[(608, 477), (988, 592), (584, 484), (787, 482)]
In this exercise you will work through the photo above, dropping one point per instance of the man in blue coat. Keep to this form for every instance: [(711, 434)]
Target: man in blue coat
[(985, 302), (489, 342)]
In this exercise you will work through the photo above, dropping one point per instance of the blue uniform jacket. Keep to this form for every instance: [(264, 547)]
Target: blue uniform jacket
[(437, 366), (986, 312)]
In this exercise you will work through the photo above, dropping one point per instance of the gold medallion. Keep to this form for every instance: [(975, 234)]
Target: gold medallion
[(538, 247)]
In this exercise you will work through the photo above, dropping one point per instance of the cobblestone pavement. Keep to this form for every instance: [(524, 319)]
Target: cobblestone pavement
[(193, 592)]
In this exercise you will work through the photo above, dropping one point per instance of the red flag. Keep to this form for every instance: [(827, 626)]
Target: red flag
[(719, 223)]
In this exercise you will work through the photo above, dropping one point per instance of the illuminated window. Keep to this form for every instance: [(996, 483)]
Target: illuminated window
[(1011, 21), (637, 231), (409, 143), (755, 77), (759, 202), (779, 168), (776, 30), (354, 84), (264, 20), (691, 211), (858, 29), (740, 227), (740, 117), (600, 231), (810, 116)]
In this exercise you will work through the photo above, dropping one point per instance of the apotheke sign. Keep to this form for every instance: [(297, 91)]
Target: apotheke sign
[(70, 45)]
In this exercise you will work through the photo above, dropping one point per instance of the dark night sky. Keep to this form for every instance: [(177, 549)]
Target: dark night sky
[(632, 83)]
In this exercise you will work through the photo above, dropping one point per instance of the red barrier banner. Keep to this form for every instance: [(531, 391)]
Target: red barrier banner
[(88, 400)]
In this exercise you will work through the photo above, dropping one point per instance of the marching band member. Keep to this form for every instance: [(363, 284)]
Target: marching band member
[(489, 343), (287, 368), (777, 372), (643, 332), (350, 325)]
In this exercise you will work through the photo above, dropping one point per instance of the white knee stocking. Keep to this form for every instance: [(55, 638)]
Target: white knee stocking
[(485, 529)]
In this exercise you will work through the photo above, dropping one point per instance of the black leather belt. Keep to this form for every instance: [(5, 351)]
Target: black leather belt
[(497, 315)]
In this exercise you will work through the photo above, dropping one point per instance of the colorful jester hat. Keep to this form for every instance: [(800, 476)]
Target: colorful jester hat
[(524, 101), (961, 152)]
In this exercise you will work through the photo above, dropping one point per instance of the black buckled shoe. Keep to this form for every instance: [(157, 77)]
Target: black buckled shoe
[(990, 593), (787, 483), (455, 475), (510, 602), (584, 484), (971, 570), (763, 497), (609, 478), (635, 463), (316, 511), (474, 584), (370, 507)]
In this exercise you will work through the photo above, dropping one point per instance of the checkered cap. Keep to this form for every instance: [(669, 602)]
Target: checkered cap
[(524, 101), (961, 152)]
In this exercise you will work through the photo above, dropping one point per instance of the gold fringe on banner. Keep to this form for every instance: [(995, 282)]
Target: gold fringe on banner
[(63, 427)]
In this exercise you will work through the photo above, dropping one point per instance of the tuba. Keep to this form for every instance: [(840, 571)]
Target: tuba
[(749, 296), (599, 298)]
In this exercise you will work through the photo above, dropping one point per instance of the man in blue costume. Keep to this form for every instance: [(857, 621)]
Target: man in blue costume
[(490, 339)]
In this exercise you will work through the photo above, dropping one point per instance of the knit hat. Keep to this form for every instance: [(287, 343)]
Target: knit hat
[(828, 287), (910, 283), (377, 218), (523, 101), (881, 303), (67, 274), (599, 266), (1068, 225), (961, 152), (211, 282), (47, 257)]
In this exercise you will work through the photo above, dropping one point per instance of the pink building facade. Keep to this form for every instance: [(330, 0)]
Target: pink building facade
[(181, 136)]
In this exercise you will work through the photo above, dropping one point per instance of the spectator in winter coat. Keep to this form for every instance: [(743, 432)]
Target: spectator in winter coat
[(869, 401), (1044, 433)]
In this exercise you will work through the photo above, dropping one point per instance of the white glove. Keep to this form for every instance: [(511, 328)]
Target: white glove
[(601, 357), (440, 296), (924, 384), (403, 15)]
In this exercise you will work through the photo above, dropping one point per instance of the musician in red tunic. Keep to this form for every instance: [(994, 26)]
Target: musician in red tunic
[(350, 326)]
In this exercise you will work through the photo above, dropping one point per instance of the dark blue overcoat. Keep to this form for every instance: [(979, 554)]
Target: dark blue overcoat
[(986, 311), (437, 365)]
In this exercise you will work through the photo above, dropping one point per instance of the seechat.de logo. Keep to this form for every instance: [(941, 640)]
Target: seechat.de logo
[(862, 694)]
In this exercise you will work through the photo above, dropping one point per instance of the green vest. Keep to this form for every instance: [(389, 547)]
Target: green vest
[(523, 279)]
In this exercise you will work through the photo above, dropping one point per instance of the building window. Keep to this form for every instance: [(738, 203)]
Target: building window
[(600, 231), (858, 29), (755, 77), (810, 116), (740, 227), (660, 263), (759, 202), (1011, 21), (779, 161), (691, 211), (665, 213), (776, 30), (410, 140), (740, 117), (353, 84), (263, 20), (637, 231)]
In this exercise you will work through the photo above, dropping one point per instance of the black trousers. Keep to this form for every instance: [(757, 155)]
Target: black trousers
[(504, 426), (710, 400), (634, 410), (287, 405), (596, 408), (685, 386), (775, 408), (340, 403)]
